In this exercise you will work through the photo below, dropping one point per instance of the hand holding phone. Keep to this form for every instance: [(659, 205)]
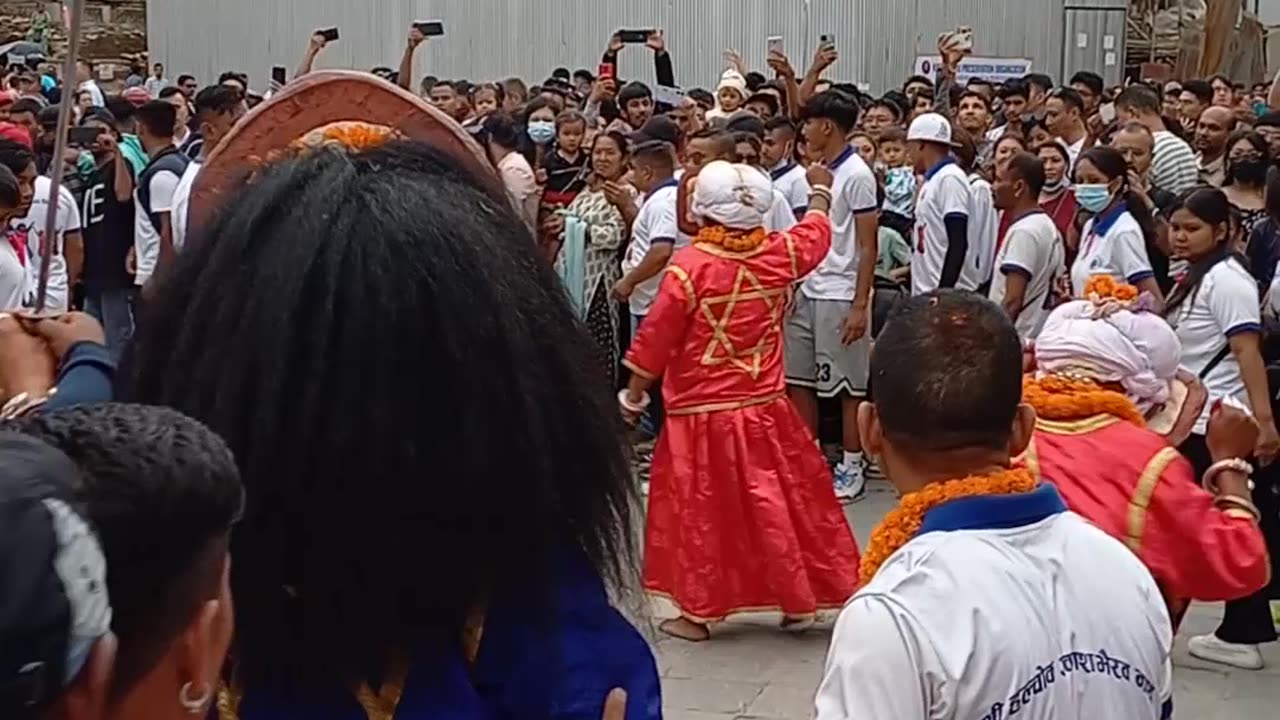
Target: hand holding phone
[(430, 28), (635, 37), (329, 34), (85, 136), (774, 44), (279, 76), (827, 41)]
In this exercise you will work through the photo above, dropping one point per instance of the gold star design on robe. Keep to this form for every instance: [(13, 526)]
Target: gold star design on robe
[(721, 349)]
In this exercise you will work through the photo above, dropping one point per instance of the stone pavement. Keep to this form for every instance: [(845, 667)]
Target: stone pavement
[(751, 671)]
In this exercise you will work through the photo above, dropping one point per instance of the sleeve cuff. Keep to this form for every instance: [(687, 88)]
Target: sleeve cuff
[(956, 216), (659, 240), (637, 370), (1140, 276), (1010, 268), (865, 210), (1244, 327)]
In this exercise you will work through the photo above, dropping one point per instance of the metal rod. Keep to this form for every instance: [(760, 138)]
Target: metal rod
[(50, 237)]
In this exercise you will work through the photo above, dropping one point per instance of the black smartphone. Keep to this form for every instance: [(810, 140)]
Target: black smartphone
[(329, 34), (430, 28), (279, 75), (635, 37), (84, 136)]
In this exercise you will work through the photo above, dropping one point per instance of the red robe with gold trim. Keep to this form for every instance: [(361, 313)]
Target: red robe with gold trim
[(1130, 482), (742, 515)]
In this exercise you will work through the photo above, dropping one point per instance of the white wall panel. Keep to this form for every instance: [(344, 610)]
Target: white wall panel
[(492, 39)]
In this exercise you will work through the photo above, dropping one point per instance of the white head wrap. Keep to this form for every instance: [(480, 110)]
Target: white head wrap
[(733, 80), (736, 196), (1136, 349)]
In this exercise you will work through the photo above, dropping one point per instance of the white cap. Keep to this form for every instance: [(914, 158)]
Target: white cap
[(931, 127)]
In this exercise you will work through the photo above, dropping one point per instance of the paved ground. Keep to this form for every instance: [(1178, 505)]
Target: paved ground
[(753, 671)]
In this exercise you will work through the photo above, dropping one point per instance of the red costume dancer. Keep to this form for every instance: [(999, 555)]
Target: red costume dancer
[(741, 515), (1111, 410)]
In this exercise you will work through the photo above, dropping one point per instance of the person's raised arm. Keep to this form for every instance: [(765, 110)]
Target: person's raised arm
[(826, 56), (787, 73), (663, 70), (314, 46), (405, 79), (610, 56)]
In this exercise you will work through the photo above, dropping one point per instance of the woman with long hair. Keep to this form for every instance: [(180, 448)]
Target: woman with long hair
[(1248, 160), (1214, 310), (439, 504), (600, 207), (1117, 240), (1056, 198)]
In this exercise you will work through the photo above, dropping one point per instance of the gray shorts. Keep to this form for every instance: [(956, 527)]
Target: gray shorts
[(815, 358)]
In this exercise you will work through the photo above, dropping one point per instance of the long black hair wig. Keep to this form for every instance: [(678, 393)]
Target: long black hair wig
[(412, 402)]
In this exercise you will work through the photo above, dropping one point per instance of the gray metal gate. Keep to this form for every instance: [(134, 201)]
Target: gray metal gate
[(1093, 39)]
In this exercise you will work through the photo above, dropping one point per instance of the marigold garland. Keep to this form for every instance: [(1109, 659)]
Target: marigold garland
[(1105, 286), (1057, 397), (903, 522), (731, 239)]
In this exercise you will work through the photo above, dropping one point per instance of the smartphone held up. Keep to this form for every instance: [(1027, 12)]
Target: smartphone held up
[(329, 34), (430, 28)]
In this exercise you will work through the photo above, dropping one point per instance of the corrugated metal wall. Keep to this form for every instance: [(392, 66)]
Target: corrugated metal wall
[(490, 39)]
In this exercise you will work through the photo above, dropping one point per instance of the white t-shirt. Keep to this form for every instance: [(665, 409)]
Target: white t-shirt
[(790, 180), (781, 217), (1032, 247), (181, 202), (1047, 620), (32, 228), (655, 222), (984, 225), (1226, 303), (1111, 244), (13, 278), (146, 238), (1073, 153), (95, 93), (853, 191), (945, 192)]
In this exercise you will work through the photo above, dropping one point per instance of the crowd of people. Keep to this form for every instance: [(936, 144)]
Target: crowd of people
[(295, 337)]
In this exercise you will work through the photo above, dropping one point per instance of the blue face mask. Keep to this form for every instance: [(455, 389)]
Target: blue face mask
[(1093, 198), (542, 131)]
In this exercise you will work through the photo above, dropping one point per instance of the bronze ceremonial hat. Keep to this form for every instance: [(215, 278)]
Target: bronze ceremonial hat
[(342, 106)]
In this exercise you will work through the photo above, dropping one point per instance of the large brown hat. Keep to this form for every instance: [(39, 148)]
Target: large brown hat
[(315, 107)]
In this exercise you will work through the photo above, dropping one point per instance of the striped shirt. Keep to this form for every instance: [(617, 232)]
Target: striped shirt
[(1173, 164)]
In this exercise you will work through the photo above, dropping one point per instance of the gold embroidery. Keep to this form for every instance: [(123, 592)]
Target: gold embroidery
[(727, 405), (382, 704), (1147, 482), (691, 298), (721, 252), (791, 251), (637, 370), (1076, 427), (721, 348)]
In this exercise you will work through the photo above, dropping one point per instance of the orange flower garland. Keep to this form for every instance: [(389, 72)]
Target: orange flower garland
[(1057, 397), (731, 239), (903, 522)]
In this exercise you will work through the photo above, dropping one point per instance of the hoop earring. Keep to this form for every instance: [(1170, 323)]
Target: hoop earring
[(194, 706)]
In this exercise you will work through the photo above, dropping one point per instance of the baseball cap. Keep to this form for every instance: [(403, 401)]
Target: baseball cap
[(137, 96), (53, 577), (931, 127)]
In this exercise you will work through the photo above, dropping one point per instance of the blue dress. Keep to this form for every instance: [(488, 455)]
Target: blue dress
[(532, 664)]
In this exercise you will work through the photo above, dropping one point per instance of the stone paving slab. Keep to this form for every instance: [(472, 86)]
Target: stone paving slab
[(751, 671)]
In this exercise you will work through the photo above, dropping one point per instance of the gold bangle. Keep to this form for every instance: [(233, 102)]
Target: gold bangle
[(1238, 503)]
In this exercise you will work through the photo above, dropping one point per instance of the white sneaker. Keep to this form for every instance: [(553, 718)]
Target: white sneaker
[(1209, 647), (849, 482)]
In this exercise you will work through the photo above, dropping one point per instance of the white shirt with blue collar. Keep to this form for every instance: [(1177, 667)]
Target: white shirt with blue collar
[(789, 179), (1001, 606), (1111, 244)]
